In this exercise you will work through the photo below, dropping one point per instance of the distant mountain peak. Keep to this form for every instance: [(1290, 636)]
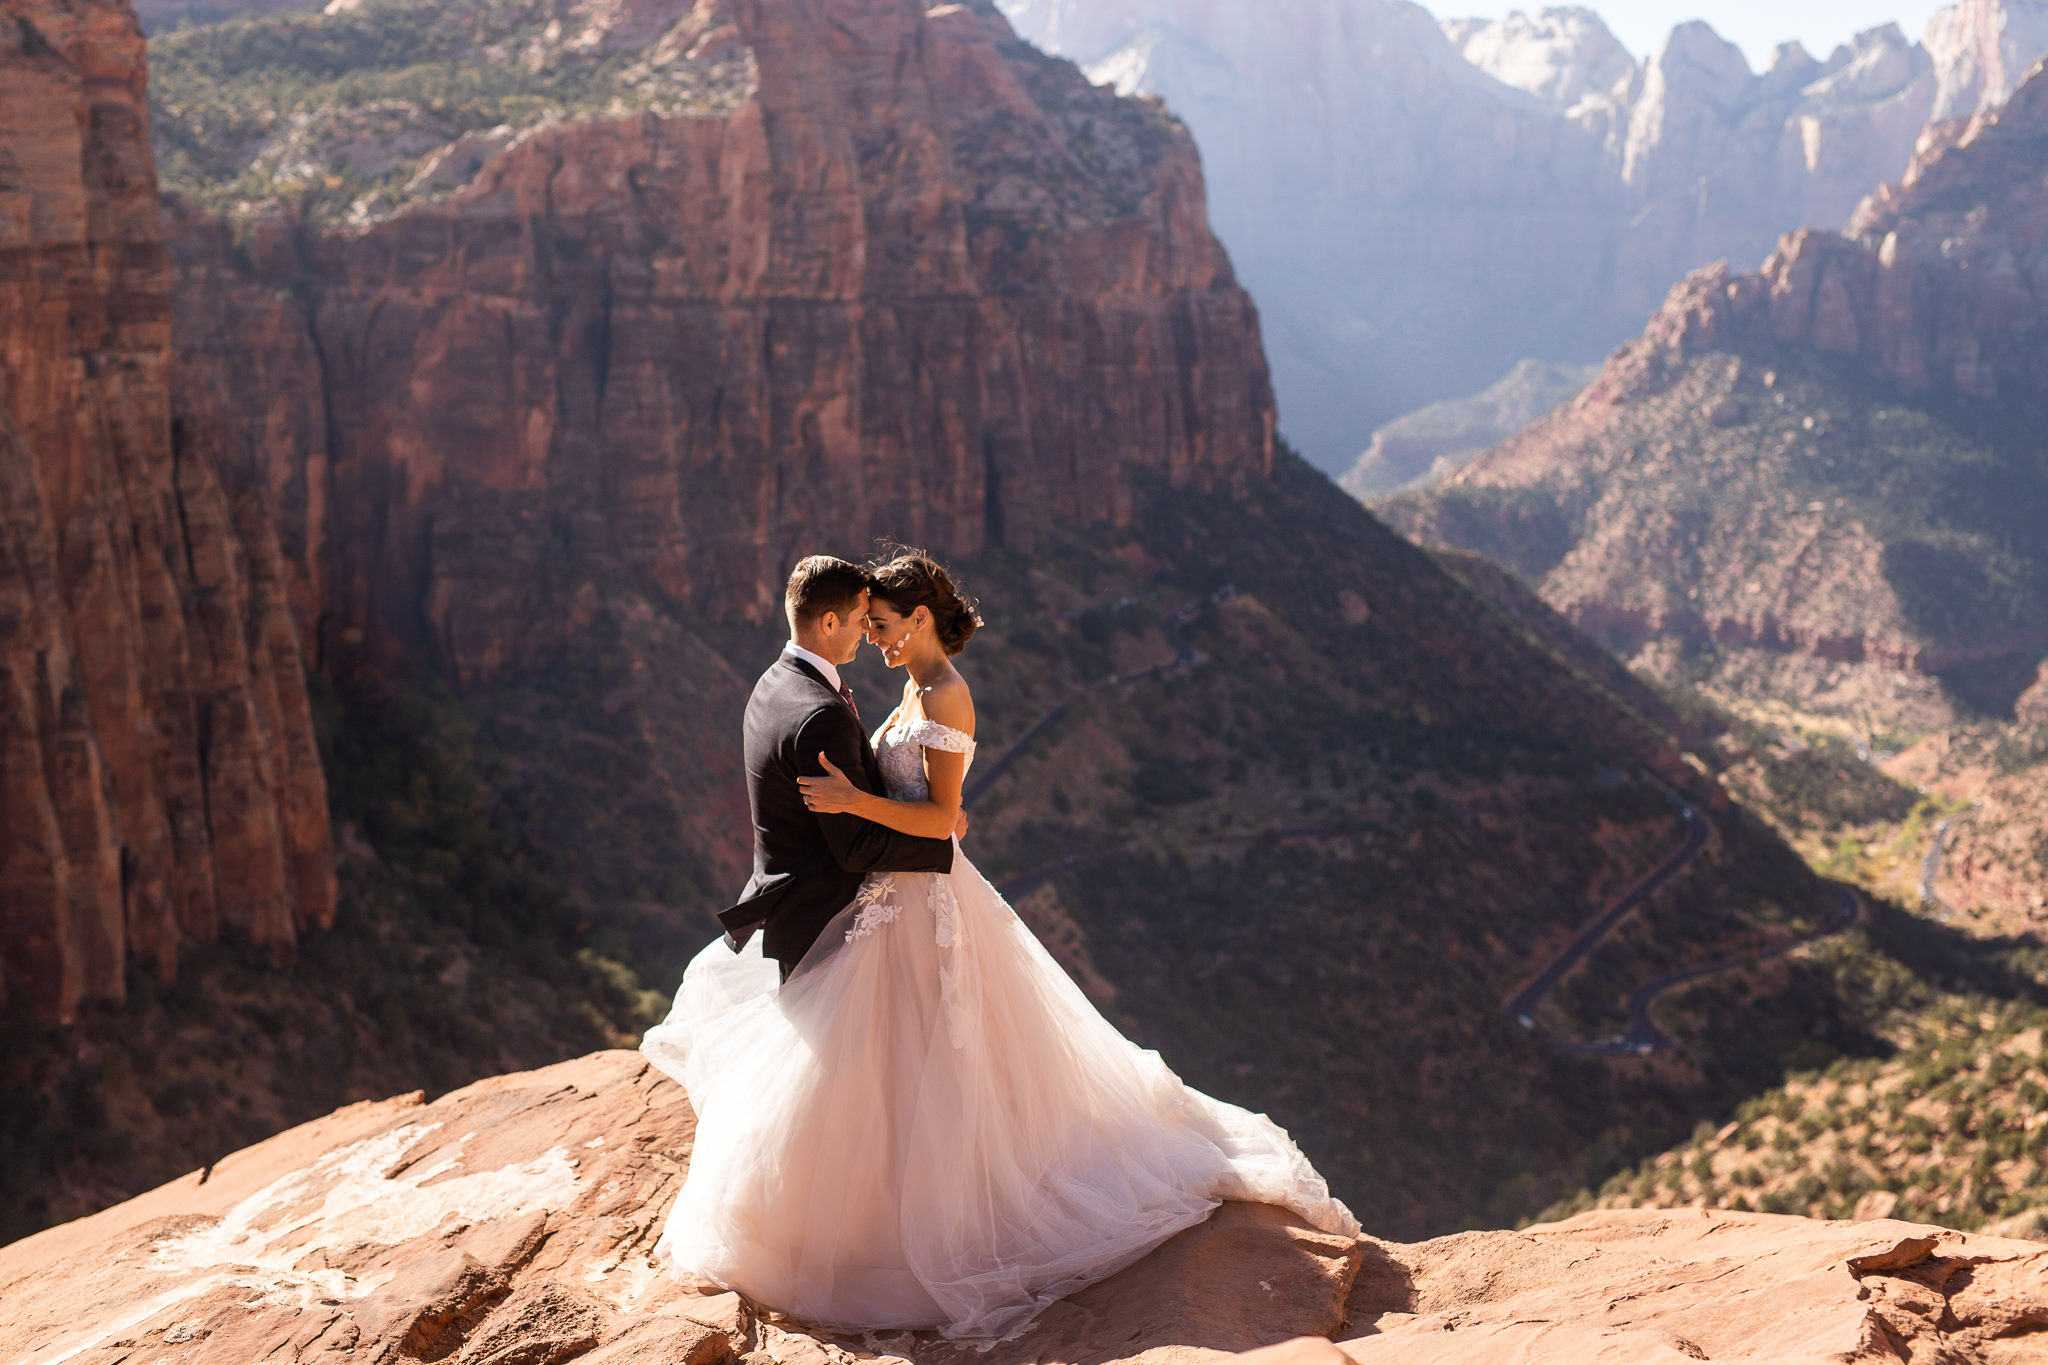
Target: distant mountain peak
[(1561, 55), (1417, 205), (1821, 480)]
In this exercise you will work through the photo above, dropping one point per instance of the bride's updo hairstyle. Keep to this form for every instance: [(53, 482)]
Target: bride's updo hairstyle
[(914, 579)]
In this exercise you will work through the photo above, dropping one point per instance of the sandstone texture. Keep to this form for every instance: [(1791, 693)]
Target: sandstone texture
[(158, 775), (1417, 207), (1827, 469), (512, 1221), (1705, 1284), (1995, 868), (923, 282)]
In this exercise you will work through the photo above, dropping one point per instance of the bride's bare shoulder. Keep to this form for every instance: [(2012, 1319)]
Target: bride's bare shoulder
[(949, 702)]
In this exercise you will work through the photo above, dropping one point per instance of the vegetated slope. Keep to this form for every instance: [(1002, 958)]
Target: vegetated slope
[(1947, 1131), (542, 448), (1993, 866), (1822, 484), (352, 113), (1945, 838)]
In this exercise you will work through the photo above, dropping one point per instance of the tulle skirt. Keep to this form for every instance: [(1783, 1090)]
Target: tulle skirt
[(929, 1126)]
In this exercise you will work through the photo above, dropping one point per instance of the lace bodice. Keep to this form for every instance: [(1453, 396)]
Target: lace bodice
[(899, 747)]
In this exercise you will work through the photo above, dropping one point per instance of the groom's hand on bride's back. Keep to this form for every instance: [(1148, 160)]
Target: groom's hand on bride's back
[(832, 740), (831, 791)]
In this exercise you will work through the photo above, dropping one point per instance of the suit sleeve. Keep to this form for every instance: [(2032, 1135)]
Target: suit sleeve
[(861, 845)]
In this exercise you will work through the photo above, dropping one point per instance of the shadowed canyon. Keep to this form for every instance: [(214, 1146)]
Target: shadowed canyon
[(409, 415)]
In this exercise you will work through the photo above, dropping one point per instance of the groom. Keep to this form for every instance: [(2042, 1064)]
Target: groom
[(808, 866)]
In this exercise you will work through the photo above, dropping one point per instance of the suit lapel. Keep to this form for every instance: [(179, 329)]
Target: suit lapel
[(804, 667), (867, 749)]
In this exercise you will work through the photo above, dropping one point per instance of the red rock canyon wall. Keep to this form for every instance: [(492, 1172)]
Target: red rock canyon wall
[(158, 775), (924, 283)]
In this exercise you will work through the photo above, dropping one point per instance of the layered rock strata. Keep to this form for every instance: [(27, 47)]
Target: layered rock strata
[(923, 282), (514, 1221), (1416, 208), (1830, 459), (158, 775)]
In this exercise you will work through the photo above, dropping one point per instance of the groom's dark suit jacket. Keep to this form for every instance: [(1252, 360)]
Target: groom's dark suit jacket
[(807, 866)]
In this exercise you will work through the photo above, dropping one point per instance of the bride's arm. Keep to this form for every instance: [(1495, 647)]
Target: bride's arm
[(935, 817)]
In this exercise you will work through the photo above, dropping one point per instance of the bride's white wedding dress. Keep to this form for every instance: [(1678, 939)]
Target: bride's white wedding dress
[(928, 1125)]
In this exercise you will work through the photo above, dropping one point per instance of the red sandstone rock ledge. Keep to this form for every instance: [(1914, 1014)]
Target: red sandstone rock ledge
[(510, 1223)]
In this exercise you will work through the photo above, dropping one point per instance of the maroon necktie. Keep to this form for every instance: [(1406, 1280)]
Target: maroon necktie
[(846, 695)]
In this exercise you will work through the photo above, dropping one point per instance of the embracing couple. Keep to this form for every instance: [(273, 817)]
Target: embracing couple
[(907, 1115)]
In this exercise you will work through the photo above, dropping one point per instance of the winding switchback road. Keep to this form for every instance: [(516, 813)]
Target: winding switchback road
[(1930, 871), (1523, 1006), (1643, 1036)]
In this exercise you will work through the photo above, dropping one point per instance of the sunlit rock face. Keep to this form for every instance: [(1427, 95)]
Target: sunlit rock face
[(918, 280), (1563, 56), (515, 1220), (1981, 51), (1393, 208), (158, 775), (1416, 207)]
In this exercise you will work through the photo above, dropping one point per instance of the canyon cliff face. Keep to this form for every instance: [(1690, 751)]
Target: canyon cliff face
[(1828, 470), (923, 282), (158, 776), (547, 405), (1417, 208)]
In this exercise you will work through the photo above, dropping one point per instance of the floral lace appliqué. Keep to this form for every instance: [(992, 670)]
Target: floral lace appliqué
[(945, 911), (871, 909), (899, 750), (953, 997)]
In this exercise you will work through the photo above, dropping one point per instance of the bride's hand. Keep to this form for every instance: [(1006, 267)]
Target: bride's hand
[(831, 793)]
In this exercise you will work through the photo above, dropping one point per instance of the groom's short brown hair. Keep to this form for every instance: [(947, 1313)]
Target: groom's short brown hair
[(823, 583)]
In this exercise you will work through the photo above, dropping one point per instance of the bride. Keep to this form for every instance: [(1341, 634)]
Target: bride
[(928, 1125)]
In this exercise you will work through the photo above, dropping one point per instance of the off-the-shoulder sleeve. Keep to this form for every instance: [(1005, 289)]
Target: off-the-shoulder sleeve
[(932, 735)]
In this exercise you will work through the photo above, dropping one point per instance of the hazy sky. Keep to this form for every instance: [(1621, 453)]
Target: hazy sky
[(1756, 26)]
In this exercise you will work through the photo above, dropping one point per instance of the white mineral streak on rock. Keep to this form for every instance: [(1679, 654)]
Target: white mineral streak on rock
[(342, 1199)]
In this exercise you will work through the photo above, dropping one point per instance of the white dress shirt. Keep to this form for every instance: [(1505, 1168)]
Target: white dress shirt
[(817, 661)]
